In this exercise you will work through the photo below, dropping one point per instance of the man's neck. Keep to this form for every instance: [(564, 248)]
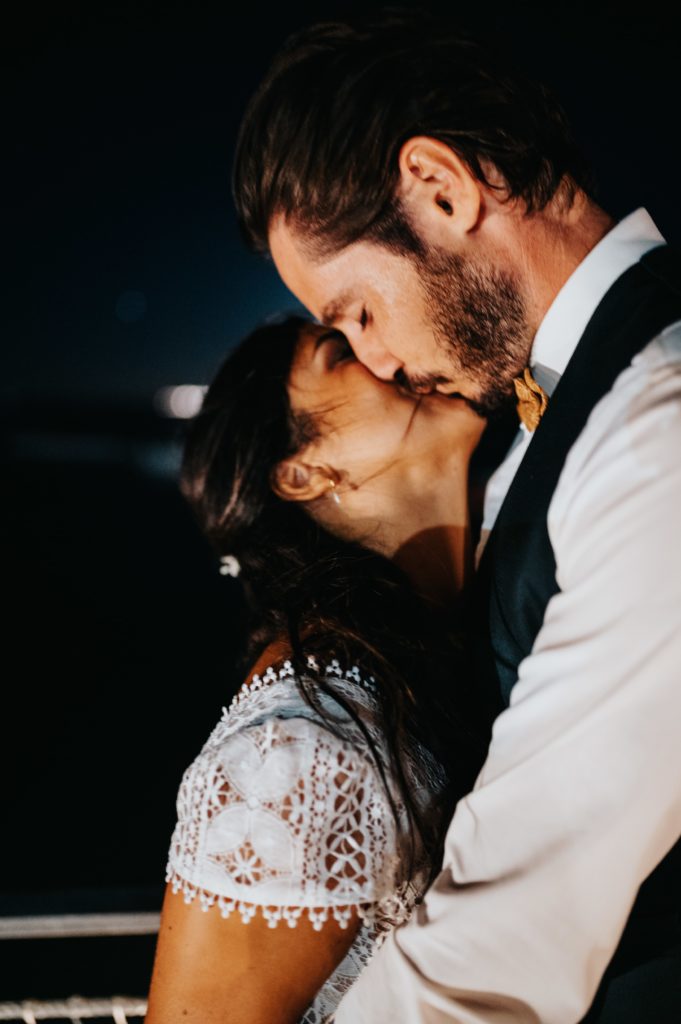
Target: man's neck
[(556, 242)]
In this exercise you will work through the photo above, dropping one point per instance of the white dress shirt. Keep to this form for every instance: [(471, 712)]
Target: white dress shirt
[(580, 795)]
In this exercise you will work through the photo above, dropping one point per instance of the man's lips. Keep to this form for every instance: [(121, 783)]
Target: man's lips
[(432, 396), (418, 385), (428, 390)]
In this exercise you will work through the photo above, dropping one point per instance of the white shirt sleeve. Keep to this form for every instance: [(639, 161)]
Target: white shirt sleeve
[(580, 796)]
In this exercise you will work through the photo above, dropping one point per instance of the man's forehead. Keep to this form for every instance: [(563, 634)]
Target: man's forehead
[(314, 282)]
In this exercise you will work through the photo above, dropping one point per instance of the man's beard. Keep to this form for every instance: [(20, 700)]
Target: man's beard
[(478, 315)]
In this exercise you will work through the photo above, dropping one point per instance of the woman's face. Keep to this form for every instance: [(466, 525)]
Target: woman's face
[(369, 427)]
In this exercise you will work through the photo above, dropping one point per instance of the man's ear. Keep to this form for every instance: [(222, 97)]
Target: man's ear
[(441, 191), (295, 480)]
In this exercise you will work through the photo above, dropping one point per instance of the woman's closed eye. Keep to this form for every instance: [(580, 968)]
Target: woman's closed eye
[(338, 347)]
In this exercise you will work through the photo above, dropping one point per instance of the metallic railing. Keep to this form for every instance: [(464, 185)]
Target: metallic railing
[(75, 1009)]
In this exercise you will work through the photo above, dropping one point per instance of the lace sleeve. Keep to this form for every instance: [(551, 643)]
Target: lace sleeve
[(284, 816)]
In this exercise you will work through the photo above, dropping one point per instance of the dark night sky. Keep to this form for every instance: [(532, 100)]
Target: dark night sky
[(126, 270)]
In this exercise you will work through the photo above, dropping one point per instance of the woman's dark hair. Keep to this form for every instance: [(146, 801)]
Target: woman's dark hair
[(327, 597), (320, 137)]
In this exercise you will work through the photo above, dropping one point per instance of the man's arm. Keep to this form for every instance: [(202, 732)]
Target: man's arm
[(580, 796)]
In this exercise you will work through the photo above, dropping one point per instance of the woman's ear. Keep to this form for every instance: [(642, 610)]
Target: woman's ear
[(295, 480)]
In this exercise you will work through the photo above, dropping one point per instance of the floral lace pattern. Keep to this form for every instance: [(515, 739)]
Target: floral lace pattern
[(278, 815)]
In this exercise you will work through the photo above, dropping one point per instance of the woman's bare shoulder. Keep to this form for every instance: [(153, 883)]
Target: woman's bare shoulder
[(276, 652)]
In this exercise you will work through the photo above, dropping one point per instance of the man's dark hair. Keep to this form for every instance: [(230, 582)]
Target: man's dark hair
[(320, 138)]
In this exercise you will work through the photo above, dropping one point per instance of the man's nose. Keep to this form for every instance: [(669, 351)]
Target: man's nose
[(376, 358)]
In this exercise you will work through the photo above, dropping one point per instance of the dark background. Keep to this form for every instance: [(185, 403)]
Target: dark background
[(125, 274)]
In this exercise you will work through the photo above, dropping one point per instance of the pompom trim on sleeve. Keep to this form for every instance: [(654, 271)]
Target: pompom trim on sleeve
[(272, 914)]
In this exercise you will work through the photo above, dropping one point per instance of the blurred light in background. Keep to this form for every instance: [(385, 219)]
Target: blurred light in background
[(181, 402)]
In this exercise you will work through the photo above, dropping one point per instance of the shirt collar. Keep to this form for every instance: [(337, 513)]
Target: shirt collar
[(569, 313)]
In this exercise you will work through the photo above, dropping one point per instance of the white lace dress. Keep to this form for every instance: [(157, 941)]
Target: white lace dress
[(276, 815)]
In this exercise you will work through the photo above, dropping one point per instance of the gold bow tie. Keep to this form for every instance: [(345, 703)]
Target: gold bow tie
[(532, 399)]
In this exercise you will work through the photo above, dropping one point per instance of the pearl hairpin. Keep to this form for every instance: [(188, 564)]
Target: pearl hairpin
[(230, 566)]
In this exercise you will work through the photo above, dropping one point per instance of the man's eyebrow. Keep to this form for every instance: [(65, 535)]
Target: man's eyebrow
[(333, 309)]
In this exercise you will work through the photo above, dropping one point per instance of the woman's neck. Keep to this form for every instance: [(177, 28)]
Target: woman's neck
[(418, 516), (426, 530), (439, 562)]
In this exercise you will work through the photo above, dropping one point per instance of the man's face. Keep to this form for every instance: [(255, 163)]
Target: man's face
[(447, 323)]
